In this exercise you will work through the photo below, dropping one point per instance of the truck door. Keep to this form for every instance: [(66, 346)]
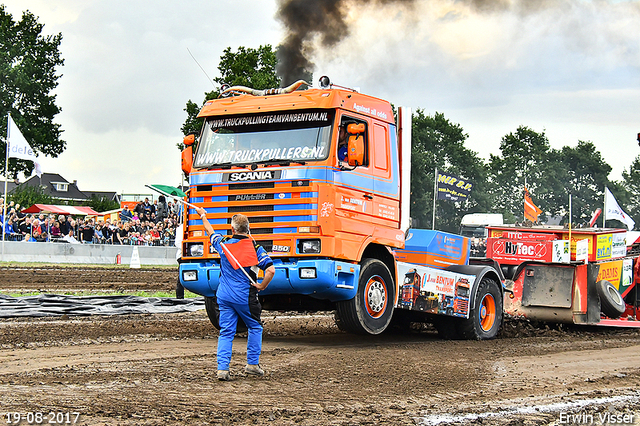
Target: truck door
[(385, 172), (354, 189)]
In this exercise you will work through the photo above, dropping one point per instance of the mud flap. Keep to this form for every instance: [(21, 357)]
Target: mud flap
[(593, 300)]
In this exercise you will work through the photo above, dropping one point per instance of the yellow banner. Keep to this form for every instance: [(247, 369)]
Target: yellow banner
[(612, 272)]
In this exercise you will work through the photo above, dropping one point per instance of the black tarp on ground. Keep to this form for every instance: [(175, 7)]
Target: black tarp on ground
[(54, 304)]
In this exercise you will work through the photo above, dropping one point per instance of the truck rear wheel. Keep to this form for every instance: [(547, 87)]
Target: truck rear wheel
[(213, 312), (485, 318), (611, 302), (370, 311)]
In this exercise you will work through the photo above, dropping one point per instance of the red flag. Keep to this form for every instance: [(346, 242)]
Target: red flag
[(594, 217), (531, 211), (241, 253)]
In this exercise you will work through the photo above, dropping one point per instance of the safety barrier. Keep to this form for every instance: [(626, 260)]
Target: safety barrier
[(86, 253)]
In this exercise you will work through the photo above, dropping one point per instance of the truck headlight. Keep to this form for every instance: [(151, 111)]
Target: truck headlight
[(196, 250), (309, 246), (189, 275), (307, 272)]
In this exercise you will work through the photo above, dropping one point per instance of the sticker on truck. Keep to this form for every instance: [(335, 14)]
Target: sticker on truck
[(434, 291)]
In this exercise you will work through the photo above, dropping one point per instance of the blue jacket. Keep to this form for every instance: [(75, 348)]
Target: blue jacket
[(234, 286)]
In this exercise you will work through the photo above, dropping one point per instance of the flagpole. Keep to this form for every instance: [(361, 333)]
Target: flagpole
[(569, 219), (6, 172), (604, 209), (435, 194)]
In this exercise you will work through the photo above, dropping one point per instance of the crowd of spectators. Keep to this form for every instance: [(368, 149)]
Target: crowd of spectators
[(148, 224)]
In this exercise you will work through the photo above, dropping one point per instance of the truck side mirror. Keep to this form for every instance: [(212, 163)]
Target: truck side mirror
[(355, 150), (189, 139), (187, 159), (355, 128)]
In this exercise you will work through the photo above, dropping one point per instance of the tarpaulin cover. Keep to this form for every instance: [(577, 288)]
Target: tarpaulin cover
[(68, 210), (45, 305)]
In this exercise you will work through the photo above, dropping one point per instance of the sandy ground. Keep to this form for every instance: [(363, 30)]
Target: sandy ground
[(160, 370)]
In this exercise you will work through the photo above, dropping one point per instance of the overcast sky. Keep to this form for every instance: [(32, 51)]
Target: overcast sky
[(570, 68)]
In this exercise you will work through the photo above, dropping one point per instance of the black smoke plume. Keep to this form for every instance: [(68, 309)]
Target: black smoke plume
[(312, 24), (305, 20)]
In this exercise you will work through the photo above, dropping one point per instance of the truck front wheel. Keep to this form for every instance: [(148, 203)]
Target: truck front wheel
[(370, 311), (485, 318)]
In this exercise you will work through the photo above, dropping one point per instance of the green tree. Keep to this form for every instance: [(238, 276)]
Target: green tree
[(102, 204), (628, 193), (587, 176), (27, 195), (527, 159), (255, 68), (439, 143), (28, 62)]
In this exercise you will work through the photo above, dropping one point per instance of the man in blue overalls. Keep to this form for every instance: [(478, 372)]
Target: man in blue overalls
[(237, 294)]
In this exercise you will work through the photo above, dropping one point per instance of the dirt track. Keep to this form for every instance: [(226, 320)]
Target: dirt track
[(160, 369)]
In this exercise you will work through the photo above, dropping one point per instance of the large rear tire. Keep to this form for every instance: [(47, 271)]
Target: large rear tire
[(213, 312), (485, 318), (370, 311), (611, 303)]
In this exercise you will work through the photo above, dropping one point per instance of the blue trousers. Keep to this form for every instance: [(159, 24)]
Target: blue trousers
[(229, 314)]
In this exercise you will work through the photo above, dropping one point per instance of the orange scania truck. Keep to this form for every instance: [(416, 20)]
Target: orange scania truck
[(323, 175)]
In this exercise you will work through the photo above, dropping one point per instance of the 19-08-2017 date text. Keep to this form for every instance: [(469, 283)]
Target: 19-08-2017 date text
[(41, 418)]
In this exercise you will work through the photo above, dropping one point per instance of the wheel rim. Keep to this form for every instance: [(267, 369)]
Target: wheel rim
[(615, 296), (375, 296), (487, 312)]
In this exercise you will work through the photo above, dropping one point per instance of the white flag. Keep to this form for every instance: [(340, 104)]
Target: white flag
[(613, 210), (19, 147)]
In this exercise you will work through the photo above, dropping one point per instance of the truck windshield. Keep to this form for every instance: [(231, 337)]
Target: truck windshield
[(299, 136)]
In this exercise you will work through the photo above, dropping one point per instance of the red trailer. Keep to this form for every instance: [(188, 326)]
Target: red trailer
[(582, 276)]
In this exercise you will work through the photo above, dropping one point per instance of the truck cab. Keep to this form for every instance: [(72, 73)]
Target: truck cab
[(323, 176)]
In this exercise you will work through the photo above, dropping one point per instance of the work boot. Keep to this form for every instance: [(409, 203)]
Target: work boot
[(224, 375), (254, 370)]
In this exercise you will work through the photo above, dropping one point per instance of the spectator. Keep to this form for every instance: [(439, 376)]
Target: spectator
[(19, 212), (162, 210), (139, 209), (107, 231), (35, 228), (28, 238), (123, 233), (125, 214), (8, 229), (87, 232), (43, 237), (148, 208), (155, 235), (55, 230), (25, 226), (70, 238), (72, 226), (44, 225), (64, 225)]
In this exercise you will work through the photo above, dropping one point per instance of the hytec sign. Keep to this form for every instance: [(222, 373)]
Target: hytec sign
[(514, 252)]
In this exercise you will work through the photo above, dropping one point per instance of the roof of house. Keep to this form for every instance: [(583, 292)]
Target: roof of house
[(109, 195), (10, 186), (57, 186)]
